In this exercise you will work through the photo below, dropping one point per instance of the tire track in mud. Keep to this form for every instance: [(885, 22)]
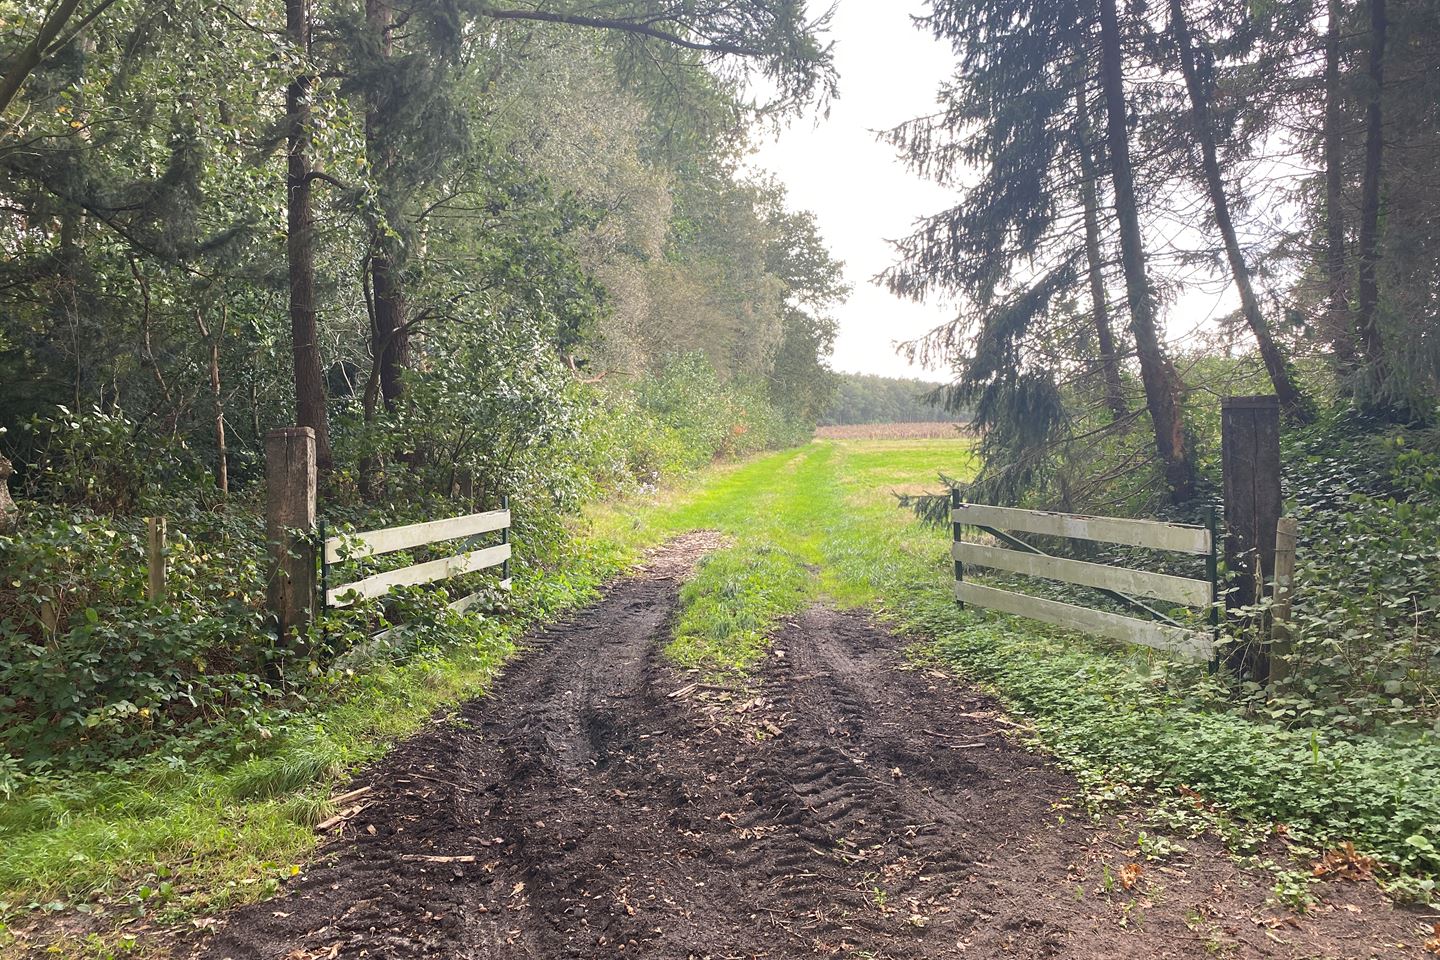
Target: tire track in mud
[(845, 803)]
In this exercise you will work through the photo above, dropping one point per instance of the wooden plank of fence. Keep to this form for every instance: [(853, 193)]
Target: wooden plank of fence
[(381, 583), (155, 557), (376, 542), (1160, 586), (1186, 643), (1179, 537)]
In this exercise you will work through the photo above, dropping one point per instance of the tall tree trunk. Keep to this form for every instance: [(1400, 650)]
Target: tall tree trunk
[(390, 340), (1292, 400), (1367, 287), (300, 243), (1162, 383), (217, 401), (1341, 328), (1099, 302)]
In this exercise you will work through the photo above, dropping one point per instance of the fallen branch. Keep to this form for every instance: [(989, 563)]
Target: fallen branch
[(345, 798), (340, 818)]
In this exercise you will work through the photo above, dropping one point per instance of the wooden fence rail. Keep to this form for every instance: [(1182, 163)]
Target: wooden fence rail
[(1123, 583), (377, 542)]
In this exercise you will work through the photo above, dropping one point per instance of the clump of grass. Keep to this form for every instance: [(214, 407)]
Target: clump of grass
[(729, 607)]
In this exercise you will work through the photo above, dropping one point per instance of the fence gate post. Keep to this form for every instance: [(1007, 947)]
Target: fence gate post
[(1250, 451), (289, 522), (9, 513), (954, 539), (155, 557)]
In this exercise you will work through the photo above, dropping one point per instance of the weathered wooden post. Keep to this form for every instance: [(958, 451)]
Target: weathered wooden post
[(9, 513), (155, 557), (1250, 451), (505, 536), (1286, 531), (289, 521), (955, 539)]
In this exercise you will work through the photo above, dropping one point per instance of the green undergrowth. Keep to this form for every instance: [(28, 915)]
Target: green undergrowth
[(168, 837)]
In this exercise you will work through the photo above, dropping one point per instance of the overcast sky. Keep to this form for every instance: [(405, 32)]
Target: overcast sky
[(861, 194), (864, 197)]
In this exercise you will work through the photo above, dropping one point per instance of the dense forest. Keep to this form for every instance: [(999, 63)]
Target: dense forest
[(414, 228), (1111, 160), (864, 398), (482, 253)]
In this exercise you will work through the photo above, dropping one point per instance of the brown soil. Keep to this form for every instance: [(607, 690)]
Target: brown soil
[(848, 803)]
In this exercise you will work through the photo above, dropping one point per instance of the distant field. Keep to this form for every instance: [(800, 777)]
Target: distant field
[(937, 430)]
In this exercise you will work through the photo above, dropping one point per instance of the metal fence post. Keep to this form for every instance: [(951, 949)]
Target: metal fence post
[(1281, 639), (155, 557), (9, 513), (1212, 570)]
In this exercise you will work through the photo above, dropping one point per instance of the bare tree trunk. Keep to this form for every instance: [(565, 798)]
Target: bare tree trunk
[(1341, 329), (390, 341), (1162, 383), (217, 401), (1292, 400), (1099, 302), (300, 244), (1368, 290)]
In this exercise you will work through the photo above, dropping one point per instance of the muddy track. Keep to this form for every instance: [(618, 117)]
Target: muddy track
[(847, 803)]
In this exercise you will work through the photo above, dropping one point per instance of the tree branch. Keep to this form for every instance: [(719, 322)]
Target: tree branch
[(625, 26)]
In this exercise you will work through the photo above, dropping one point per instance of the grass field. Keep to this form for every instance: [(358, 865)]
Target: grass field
[(923, 430), (816, 522)]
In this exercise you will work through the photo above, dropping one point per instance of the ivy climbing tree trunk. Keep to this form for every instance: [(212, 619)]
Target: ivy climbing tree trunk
[(300, 241), (1162, 383), (1292, 400), (1099, 303)]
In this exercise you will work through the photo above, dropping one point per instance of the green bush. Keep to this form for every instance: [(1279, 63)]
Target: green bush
[(1366, 645), (93, 673), (89, 668)]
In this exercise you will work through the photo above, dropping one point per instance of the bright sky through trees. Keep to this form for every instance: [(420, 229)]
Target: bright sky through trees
[(856, 186), (864, 197)]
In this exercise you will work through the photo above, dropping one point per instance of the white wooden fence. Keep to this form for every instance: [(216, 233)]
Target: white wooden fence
[(1122, 583), (378, 542)]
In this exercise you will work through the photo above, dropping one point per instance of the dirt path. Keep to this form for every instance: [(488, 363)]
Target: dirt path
[(848, 804)]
